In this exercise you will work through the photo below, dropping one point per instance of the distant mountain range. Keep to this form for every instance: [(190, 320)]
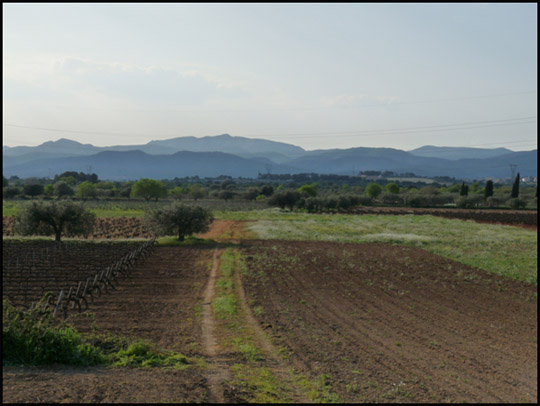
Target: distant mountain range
[(246, 157)]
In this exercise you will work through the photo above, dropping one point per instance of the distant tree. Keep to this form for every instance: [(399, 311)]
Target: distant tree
[(178, 219), (285, 198), (373, 190), (515, 187), (464, 191), (57, 217), (61, 189), (267, 190), (149, 189), (488, 191), (33, 189), (308, 190), (251, 193), (77, 176), (429, 190), (86, 190), (5, 182), (197, 191), (226, 194), (10, 192), (70, 180), (228, 184), (393, 188), (125, 189), (475, 187), (48, 190), (177, 192)]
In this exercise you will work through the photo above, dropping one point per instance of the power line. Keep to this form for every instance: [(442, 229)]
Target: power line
[(382, 104), (357, 133), (493, 123)]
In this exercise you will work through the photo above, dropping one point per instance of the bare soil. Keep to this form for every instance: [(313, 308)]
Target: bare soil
[(383, 323), (371, 322), (160, 302)]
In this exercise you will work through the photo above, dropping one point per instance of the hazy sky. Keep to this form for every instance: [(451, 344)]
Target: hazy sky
[(314, 75)]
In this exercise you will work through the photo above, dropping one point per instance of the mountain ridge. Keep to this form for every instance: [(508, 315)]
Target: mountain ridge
[(245, 157)]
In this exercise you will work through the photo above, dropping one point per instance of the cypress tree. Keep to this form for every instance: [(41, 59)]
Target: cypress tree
[(464, 191), (515, 187), (488, 191)]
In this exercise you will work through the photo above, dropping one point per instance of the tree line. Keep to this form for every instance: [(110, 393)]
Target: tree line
[(319, 194)]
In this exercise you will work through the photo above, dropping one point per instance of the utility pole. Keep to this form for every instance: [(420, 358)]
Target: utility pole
[(513, 168)]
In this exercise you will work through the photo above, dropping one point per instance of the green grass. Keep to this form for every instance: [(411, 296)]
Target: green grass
[(256, 382), (505, 250), (188, 241), (34, 337)]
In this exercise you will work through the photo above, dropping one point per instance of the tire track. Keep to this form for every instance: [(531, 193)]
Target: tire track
[(218, 370)]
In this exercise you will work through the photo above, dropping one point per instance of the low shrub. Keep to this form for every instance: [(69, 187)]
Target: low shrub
[(33, 337)]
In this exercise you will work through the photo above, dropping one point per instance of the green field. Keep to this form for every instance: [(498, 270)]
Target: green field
[(505, 250)]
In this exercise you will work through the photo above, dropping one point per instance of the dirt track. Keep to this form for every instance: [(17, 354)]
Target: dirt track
[(384, 324)]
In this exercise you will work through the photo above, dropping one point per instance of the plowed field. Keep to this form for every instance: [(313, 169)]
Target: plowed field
[(382, 323), (520, 218), (158, 302), (363, 322)]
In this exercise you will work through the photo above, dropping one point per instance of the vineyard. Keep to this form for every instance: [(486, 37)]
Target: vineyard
[(69, 272), (104, 228)]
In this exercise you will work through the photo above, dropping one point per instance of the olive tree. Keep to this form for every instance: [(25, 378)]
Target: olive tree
[(179, 219), (57, 218)]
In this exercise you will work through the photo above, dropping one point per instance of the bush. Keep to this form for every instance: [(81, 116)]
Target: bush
[(495, 201), (442, 199), (10, 192), (33, 337), (516, 203), (532, 204), (392, 199), (469, 202), (417, 201)]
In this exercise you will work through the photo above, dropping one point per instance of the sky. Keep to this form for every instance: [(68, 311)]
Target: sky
[(320, 76)]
